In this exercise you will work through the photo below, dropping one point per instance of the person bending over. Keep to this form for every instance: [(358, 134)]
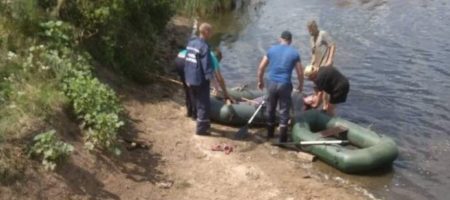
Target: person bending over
[(327, 80)]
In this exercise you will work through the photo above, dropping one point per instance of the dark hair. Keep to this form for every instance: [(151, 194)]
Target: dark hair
[(218, 53), (286, 35)]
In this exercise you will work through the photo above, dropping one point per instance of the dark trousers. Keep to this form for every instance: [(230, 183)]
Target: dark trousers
[(202, 102), (278, 93), (190, 107)]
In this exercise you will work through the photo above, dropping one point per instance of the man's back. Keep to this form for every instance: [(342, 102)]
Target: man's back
[(282, 60), (198, 65), (329, 79)]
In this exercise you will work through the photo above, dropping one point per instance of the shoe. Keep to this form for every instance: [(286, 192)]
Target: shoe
[(206, 133), (270, 131), (283, 134)]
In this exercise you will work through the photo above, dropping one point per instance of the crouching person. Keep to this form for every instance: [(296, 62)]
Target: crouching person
[(330, 81)]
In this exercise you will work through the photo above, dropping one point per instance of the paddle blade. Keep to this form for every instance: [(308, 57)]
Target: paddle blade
[(241, 133)]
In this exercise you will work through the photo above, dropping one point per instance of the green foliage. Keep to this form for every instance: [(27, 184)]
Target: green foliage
[(29, 90), (98, 106), (203, 7), (93, 101), (121, 34), (57, 32), (44, 64), (39, 78), (25, 14), (51, 149)]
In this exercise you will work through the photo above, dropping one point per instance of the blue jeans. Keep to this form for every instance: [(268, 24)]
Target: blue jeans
[(278, 93)]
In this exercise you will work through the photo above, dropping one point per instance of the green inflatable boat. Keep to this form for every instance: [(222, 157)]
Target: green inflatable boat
[(237, 114), (366, 151), (244, 92)]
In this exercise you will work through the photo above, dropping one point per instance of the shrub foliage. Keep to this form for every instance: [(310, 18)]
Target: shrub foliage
[(52, 150)]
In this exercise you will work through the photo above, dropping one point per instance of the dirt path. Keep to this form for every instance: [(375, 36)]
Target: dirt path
[(170, 162), (190, 170)]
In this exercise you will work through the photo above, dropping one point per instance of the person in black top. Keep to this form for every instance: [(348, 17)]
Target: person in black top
[(328, 80)]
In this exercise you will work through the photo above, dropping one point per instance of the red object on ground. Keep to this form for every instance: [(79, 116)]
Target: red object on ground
[(227, 149)]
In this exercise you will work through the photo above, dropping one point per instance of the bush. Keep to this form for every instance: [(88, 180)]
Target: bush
[(121, 34), (203, 7), (98, 106), (93, 102), (44, 64), (36, 80), (52, 150), (29, 91)]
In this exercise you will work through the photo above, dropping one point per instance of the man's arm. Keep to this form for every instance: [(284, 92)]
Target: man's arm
[(313, 59), (219, 78), (317, 100), (331, 48), (330, 58), (261, 70), (299, 70)]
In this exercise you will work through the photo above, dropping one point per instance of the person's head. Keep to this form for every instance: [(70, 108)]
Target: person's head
[(286, 37), (310, 72), (205, 30), (218, 53), (313, 28)]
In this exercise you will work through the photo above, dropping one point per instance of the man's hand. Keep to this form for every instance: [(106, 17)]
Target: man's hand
[(316, 100), (309, 100), (229, 100), (299, 89), (260, 85), (261, 68), (214, 92)]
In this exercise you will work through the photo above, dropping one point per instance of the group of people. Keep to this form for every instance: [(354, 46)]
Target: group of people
[(198, 65)]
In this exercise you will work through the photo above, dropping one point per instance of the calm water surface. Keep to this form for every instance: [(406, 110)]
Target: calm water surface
[(396, 54)]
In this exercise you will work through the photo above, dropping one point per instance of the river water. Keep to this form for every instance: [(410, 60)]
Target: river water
[(396, 54)]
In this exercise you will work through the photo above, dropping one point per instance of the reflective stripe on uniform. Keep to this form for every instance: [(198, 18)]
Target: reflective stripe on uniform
[(190, 57), (193, 49), (199, 120), (192, 60)]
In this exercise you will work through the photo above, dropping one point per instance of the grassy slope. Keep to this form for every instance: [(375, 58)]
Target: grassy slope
[(31, 95)]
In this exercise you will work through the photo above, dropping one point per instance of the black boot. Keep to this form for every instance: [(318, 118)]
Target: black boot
[(270, 131), (283, 134)]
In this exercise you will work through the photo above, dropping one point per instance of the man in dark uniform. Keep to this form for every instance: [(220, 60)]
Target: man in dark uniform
[(179, 63), (198, 73), (282, 59), (328, 80)]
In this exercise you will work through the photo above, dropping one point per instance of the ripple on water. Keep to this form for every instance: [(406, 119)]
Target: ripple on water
[(395, 54)]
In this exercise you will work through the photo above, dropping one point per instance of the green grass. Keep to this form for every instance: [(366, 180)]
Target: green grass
[(28, 96)]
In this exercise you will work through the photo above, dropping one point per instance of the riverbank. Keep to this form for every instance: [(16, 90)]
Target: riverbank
[(163, 159)]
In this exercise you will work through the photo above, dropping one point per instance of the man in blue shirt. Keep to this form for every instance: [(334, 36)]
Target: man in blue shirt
[(198, 71), (281, 59)]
